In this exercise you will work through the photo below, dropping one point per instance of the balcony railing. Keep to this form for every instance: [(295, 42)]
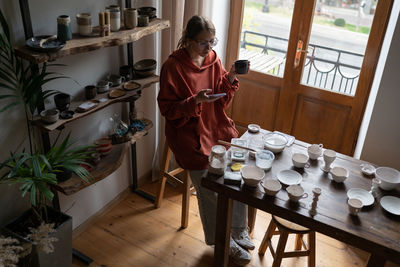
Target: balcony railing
[(328, 68)]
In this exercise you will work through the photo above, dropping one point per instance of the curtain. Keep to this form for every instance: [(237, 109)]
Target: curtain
[(178, 12)]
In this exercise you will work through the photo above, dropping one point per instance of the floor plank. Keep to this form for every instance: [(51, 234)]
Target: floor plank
[(134, 234)]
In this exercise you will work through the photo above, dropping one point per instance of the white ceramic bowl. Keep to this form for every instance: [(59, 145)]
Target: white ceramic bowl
[(275, 142), (252, 175), (339, 174), (271, 186), (389, 177), (299, 160)]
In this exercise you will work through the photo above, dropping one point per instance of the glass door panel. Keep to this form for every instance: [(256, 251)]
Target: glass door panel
[(337, 45), (265, 34)]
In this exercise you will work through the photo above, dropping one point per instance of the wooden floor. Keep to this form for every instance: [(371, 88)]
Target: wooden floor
[(133, 233)]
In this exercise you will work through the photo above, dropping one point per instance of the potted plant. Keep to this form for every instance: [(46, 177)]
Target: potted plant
[(35, 171)]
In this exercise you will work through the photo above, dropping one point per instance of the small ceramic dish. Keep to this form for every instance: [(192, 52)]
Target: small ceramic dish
[(145, 65), (367, 169), (271, 186), (289, 177), (67, 114), (49, 115), (36, 43), (86, 106), (115, 93), (253, 128), (366, 197), (131, 85), (391, 204)]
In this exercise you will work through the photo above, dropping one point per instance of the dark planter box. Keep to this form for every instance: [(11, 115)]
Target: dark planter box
[(62, 254)]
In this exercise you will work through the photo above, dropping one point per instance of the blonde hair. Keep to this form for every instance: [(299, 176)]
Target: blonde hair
[(195, 26)]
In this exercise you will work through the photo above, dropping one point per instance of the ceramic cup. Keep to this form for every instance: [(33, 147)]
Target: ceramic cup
[(62, 101), (314, 151), (329, 157), (130, 18), (355, 206), (143, 20), (339, 174), (115, 17), (126, 72), (116, 79), (296, 192), (300, 160), (84, 21), (64, 32), (103, 86), (90, 92), (242, 66)]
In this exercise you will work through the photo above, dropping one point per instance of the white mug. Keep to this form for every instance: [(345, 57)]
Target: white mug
[(296, 192), (300, 160), (314, 151), (355, 206)]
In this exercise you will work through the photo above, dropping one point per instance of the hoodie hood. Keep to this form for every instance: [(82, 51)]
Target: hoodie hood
[(183, 57)]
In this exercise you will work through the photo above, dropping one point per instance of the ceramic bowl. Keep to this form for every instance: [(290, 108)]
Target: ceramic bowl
[(275, 142), (271, 187), (50, 115), (252, 175), (390, 178), (339, 174)]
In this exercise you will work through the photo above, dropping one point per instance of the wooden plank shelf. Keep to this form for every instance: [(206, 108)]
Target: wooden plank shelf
[(85, 44), (145, 82), (107, 165)]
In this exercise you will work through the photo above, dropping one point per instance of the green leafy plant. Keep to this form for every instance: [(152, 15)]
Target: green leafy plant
[(339, 22), (35, 171)]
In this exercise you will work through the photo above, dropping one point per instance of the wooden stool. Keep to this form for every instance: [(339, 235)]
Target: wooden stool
[(284, 229), (164, 175)]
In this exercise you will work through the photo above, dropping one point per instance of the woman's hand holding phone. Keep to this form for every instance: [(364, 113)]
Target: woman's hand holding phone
[(202, 96)]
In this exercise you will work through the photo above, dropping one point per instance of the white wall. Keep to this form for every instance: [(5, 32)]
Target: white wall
[(382, 139), (85, 69)]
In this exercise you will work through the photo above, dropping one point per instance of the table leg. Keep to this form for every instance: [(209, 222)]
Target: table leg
[(376, 260), (222, 234), (252, 213)]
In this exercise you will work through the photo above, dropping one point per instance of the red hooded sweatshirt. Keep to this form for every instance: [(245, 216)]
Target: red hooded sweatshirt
[(192, 129)]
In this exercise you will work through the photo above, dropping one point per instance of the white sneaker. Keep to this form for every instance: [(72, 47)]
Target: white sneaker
[(239, 255), (241, 236)]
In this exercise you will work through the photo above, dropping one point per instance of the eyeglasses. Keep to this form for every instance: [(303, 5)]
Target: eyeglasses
[(211, 43)]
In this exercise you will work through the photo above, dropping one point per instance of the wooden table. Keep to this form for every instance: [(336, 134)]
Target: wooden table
[(373, 230)]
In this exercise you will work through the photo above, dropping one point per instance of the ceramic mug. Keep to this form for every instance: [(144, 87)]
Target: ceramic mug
[(90, 92), (130, 18), (242, 66), (126, 72), (300, 160), (143, 20), (64, 32), (314, 151), (62, 101), (116, 79), (115, 17), (296, 192), (103, 86), (355, 206), (84, 21)]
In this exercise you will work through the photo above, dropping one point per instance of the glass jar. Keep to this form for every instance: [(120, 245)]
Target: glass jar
[(120, 128), (217, 161)]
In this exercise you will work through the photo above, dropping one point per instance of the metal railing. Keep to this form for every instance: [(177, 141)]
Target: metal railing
[(325, 67)]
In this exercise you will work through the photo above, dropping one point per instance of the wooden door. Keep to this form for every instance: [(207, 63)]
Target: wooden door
[(324, 106)]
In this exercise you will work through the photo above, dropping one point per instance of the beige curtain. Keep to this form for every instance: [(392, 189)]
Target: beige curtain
[(178, 12)]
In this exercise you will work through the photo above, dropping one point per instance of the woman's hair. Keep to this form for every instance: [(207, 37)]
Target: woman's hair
[(195, 25)]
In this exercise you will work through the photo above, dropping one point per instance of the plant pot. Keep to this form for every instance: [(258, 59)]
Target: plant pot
[(63, 175), (62, 254)]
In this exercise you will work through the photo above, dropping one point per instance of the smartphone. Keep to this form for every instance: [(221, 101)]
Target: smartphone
[(216, 95)]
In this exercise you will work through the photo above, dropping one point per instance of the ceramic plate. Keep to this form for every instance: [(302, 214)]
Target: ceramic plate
[(50, 46), (391, 204), (366, 197), (289, 177)]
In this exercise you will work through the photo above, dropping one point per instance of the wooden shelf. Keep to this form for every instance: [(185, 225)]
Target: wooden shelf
[(85, 44), (145, 82), (107, 165)]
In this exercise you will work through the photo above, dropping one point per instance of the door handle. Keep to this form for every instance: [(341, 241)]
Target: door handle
[(299, 50)]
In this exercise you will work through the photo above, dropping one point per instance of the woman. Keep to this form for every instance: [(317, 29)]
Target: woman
[(195, 121)]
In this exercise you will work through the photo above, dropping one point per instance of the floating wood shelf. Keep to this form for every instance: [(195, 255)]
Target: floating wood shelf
[(145, 82), (107, 165), (85, 44)]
